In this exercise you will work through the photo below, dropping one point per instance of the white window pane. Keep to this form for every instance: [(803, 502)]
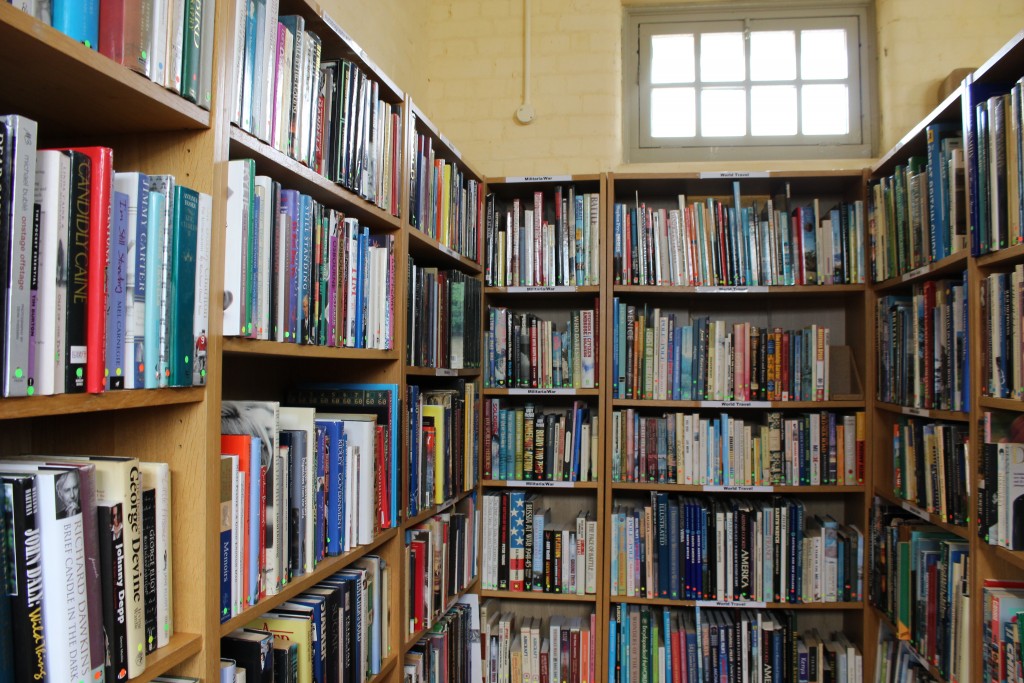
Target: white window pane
[(825, 109), (773, 110), (722, 57), (723, 112), (673, 113), (672, 59), (823, 54), (772, 55)]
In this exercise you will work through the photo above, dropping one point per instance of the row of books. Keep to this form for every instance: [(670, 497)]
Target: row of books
[(302, 272), (918, 215), (525, 350), (443, 318), (105, 274), (555, 241), (325, 113), (724, 645), (301, 483), (525, 549), (712, 243), (998, 173), (806, 449), (1001, 480), (444, 438), (86, 564), (441, 562), (540, 443), (1001, 311), (921, 583), (335, 632), (663, 356), (170, 42), (896, 661), (688, 548), (449, 651), (537, 649), (923, 345), (929, 461), (443, 202), (1002, 619)]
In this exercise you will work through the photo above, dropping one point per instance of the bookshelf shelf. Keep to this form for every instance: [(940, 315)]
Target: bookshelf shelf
[(951, 415), (424, 515), (256, 347), (423, 246), (159, 662), (1012, 557), (306, 581), (932, 669), (567, 291), (909, 506), (1010, 256), (737, 405), (411, 640), (954, 263), (560, 391), (914, 142), (534, 595), (295, 175), (108, 98), (668, 602), (661, 291), (386, 667), (67, 404), (699, 488), (991, 403), (417, 371), (529, 484)]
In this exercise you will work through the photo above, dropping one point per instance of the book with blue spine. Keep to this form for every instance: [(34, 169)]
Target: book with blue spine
[(136, 186), (226, 494), (117, 294), (323, 449), (332, 439), (304, 314), (79, 19), (154, 259), (288, 328)]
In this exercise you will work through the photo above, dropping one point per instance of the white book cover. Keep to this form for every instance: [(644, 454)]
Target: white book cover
[(238, 531), (65, 607), (239, 174), (588, 346), (360, 430), (136, 187), (157, 475), (158, 42), (175, 28), (53, 194), (201, 316), (18, 143), (264, 227)]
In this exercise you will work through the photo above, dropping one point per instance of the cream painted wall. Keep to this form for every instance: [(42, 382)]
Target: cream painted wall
[(462, 61)]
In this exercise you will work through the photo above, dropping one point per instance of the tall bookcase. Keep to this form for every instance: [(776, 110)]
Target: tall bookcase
[(979, 257)]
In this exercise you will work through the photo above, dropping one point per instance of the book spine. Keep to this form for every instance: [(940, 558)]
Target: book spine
[(182, 278), (117, 295), (18, 159)]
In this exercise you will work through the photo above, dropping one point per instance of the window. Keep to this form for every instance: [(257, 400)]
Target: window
[(748, 84)]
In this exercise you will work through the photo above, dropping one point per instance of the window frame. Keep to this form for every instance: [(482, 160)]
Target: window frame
[(642, 22)]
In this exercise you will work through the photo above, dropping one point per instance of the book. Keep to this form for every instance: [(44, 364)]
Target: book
[(252, 651), (79, 20), (18, 157), (182, 289)]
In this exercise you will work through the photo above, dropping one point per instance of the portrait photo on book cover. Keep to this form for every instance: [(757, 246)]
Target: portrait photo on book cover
[(68, 495), (255, 418)]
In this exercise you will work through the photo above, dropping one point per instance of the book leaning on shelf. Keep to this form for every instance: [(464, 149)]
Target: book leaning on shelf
[(170, 42), (302, 272), (689, 548), (521, 648), (100, 291), (780, 449), (713, 242), (85, 515), (725, 645), (325, 113)]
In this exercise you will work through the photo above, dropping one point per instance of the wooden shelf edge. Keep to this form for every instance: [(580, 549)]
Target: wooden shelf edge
[(540, 392), (739, 488), (534, 595), (65, 404), (543, 290), (738, 290), (952, 263), (738, 405), (386, 666), (258, 347), (424, 515), (415, 637), (426, 243), (913, 508), (541, 484), (928, 413), (301, 583), (181, 647), (421, 371), (1001, 403), (884, 618), (1004, 257), (668, 602)]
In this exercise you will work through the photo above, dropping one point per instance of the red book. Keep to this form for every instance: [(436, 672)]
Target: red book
[(418, 551), (102, 159), (124, 34), (545, 665), (678, 661), (574, 657)]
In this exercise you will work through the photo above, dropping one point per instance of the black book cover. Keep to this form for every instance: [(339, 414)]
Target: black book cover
[(111, 542), (149, 565), (252, 650), (25, 589), (549, 569), (283, 654), (77, 277)]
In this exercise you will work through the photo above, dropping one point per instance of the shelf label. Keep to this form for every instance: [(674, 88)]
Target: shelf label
[(539, 179), (730, 289), (735, 404), (920, 412), (710, 175), (543, 289), (333, 25), (733, 604), (445, 372), (542, 392), (738, 488), (448, 250), (917, 272), (539, 484), (913, 509)]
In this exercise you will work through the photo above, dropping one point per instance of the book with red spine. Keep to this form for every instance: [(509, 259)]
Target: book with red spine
[(102, 159)]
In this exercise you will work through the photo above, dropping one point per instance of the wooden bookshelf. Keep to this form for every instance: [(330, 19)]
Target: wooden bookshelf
[(539, 484), (952, 264), (536, 595), (739, 604), (922, 660), (255, 347), (773, 291), (181, 647), (744, 489), (929, 413), (1009, 404), (739, 405)]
